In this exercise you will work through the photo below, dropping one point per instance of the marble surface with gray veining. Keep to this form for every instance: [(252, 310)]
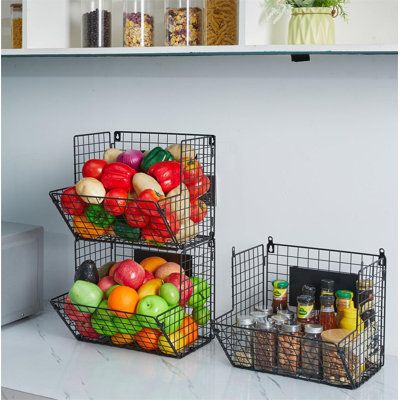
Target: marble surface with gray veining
[(40, 356)]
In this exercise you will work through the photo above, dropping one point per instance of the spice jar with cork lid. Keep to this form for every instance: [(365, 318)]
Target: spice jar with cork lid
[(16, 25), (138, 23), (289, 346)]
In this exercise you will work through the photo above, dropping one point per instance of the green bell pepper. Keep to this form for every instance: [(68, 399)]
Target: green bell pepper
[(96, 214), (125, 231), (156, 155)]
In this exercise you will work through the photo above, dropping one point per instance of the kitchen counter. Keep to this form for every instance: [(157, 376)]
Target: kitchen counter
[(40, 356)]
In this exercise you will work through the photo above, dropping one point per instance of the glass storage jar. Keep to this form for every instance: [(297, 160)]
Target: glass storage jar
[(221, 22), (138, 23), (184, 22), (96, 23), (16, 26), (289, 348), (288, 315), (265, 342), (243, 341), (305, 309), (311, 361)]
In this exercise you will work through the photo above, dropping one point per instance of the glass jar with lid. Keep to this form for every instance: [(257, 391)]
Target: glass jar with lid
[(243, 351), (96, 23), (305, 308), (138, 23), (289, 315), (221, 22), (279, 295), (265, 342), (311, 360), (289, 348), (184, 22), (16, 25)]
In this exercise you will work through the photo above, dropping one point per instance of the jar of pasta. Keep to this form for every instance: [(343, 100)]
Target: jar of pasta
[(138, 23), (184, 22), (16, 26), (221, 22)]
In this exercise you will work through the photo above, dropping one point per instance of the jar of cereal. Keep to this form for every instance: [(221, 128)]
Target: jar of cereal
[(138, 23)]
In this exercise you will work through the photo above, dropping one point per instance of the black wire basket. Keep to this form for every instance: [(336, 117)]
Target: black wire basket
[(179, 211), (348, 362), (174, 333)]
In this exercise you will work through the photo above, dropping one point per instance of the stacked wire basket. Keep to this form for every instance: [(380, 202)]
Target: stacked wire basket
[(193, 247), (348, 363)]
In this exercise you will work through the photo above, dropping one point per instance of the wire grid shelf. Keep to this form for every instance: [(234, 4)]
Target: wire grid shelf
[(135, 331), (166, 222), (348, 363)]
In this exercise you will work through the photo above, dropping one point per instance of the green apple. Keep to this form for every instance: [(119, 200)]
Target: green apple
[(201, 292), (130, 326), (196, 301), (201, 315), (83, 293), (102, 311), (149, 308), (172, 319), (110, 289), (170, 293), (103, 326)]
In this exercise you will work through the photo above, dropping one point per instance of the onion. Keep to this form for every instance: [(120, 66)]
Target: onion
[(133, 158)]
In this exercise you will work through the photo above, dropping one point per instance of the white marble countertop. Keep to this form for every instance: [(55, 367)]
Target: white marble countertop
[(40, 356)]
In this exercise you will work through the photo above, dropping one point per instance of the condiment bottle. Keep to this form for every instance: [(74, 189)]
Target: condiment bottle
[(311, 351), (309, 290), (343, 301), (279, 301), (351, 321), (305, 307), (327, 286), (265, 342), (327, 316), (244, 341), (289, 347)]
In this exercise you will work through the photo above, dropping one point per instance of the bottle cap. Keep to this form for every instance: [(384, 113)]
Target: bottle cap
[(309, 290), (327, 300), (313, 328), (344, 294), (245, 320), (305, 299), (291, 328), (327, 285), (278, 320), (278, 284)]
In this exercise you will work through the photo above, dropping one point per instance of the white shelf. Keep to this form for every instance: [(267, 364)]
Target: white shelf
[(202, 51)]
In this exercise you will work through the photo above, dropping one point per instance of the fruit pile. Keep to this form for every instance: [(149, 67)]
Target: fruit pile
[(138, 303), (153, 196)]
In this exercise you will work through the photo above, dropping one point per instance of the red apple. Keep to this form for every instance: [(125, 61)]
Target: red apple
[(85, 329), (112, 269), (147, 276), (129, 273), (184, 285), (105, 283), (74, 314)]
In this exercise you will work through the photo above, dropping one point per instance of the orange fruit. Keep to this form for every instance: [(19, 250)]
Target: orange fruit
[(152, 263), (123, 300), (189, 329), (122, 338), (84, 228), (147, 338)]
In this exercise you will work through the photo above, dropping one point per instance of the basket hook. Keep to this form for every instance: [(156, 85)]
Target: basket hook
[(270, 245), (382, 257)]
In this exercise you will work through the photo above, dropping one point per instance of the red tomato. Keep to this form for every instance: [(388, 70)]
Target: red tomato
[(71, 203), (198, 210), (93, 168), (160, 227), (192, 170), (149, 204), (199, 187), (115, 201), (135, 217)]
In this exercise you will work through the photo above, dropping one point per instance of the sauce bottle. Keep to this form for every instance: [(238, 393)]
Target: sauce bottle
[(327, 286), (305, 308), (327, 316), (343, 302), (279, 300), (350, 320)]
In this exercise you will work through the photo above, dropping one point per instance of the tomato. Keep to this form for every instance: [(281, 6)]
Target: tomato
[(115, 201), (93, 168), (147, 338), (123, 300), (192, 170), (160, 227), (71, 203), (135, 217), (199, 187), (198, 210), (148, 205)]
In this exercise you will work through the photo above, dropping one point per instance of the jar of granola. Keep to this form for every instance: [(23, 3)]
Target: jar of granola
[(138, 23), (289, 349), (184, 22), (16, 25)]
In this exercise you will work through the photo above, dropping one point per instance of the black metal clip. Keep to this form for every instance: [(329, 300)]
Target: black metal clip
[(117, 136), (233, 251), (382, 258), (300, 57), (270, 245)]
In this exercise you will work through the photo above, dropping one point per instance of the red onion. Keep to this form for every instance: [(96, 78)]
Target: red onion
[(133, 158)]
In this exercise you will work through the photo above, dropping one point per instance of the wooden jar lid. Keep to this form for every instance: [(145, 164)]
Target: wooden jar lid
[(334, 335)]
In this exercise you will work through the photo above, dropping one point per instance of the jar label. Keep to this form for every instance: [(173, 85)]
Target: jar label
[(304, 312), (280, 294)]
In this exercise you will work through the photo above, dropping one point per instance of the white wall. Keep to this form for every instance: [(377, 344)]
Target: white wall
[(306, 152)]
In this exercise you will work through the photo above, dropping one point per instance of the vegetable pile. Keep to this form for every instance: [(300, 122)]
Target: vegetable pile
[(153, 196), (138, 303)]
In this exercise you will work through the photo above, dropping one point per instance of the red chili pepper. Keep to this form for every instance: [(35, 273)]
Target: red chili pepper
[(135, 217), (199, 187), (117, 176), (149, 204), (150, 236), (167, 173), (71, 203), (161, 227)]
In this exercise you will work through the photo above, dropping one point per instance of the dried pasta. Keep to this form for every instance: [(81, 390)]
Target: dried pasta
[(221, 22)]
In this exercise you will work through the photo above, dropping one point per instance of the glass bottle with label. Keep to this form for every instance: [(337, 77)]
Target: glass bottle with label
[(305, 307), (279, 295), (327, 286), (327, 317), (343, 301)]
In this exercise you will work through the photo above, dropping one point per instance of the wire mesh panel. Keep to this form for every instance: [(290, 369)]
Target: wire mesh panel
[(175, 332), (161, 190), (285, 349)]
